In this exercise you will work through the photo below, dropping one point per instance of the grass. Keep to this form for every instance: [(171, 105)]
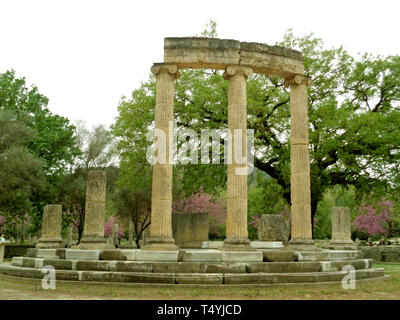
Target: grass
[(15, 288)]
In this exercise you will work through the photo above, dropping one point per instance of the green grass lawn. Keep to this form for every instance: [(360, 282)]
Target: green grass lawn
[(15, 288)]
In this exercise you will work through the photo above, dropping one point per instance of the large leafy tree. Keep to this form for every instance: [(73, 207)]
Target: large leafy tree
[(54, 139), (21, 173), (354, 120)]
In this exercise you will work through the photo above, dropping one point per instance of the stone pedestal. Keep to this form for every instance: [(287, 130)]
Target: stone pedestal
[(51, 227), (301, 226), (161, 201), (236, 219), (93, 232), (341, 230), (273, 227), (190, 229), (2, 248)]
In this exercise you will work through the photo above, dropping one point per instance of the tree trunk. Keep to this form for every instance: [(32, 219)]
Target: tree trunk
[(314, 206)]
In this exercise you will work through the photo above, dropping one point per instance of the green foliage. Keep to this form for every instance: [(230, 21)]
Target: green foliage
[(21, 173), (53, 142)]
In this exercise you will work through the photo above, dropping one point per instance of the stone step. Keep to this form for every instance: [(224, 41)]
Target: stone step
[(191, 267), (194, 278), (329, 255)]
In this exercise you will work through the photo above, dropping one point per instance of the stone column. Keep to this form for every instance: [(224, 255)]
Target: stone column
[(93, 231), (341, 229), (115, 234), (131, 228), (161, 201), (301, 230), (236, 220), (2, 249), (51, 227), (69, 237)]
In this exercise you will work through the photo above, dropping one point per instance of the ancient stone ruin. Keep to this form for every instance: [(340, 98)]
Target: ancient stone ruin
[(236, 260), (239, 60), (273, 227), (51, 227)]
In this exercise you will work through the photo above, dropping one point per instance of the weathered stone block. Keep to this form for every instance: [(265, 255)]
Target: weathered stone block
[(284, 267), (143, 277), (225, 267), (273, 227), (129, 253), (280, 256), (247, 278), (76, 254), (132, 266), (241, 256), (190, 278), (59, 264), (266, 244), (47, 254), (92, 265), (190, 230), (114, 255), (143, 255), (51, 227), (17, 261), (201, 255)]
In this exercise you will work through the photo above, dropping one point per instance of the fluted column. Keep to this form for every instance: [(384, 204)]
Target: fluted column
[(236, 219), (341, 229), (301, 226), (161, 201), (51, 227), (93, 231)]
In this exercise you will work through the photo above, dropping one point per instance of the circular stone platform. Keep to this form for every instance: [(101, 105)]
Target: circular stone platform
[(195, 266)]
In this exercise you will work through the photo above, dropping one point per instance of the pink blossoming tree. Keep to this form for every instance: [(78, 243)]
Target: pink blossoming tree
[(108, 228), (375, 219)]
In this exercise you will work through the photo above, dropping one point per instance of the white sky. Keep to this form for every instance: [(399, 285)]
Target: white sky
[(84, 55)]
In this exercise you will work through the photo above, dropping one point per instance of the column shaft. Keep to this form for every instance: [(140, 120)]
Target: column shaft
[(51, 227), (161, 201), (236, 220), (93, 231), (301, 227), (341, 229)]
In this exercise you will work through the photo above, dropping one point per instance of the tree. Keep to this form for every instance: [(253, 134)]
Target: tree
[(135, 205), (354, 120), (21, 173), (54, 139)]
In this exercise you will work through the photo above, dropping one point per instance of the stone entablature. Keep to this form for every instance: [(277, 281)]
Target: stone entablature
[(213, 53)]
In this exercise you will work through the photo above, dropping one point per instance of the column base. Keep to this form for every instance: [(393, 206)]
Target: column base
[(160, 244), (341, 245), (302, 245), (93, 243), (237, 245), (50, 243)]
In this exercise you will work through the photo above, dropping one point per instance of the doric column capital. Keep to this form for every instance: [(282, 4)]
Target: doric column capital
[(232, 70), (298, 79), (164, 67)]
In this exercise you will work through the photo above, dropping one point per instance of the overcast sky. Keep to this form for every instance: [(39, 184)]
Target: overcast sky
[(84, 55)]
